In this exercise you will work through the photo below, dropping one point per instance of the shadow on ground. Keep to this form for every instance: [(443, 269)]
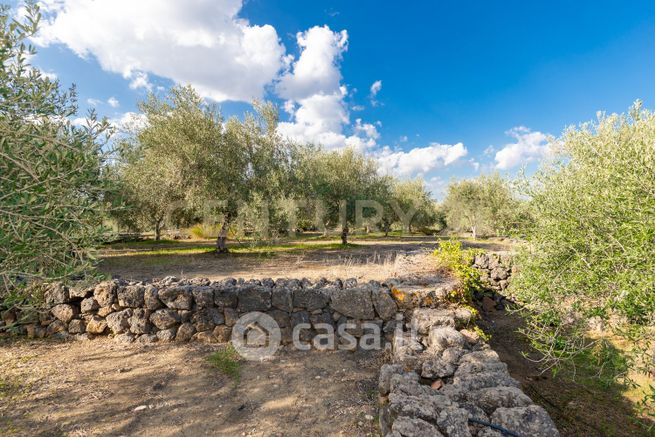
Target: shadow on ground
[(581, 406), (104, 388)]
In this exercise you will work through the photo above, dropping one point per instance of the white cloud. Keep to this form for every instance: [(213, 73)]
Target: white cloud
[(375, 88), (529, 146), (420, 160), (49, 74), (316, 71), (93, 102), (113, 102), (139, 80), (436, 186), (198, 42), (315, 96), (129, 120)]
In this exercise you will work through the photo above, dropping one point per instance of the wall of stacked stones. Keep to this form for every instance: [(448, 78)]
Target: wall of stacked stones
[(496, 269), (198, 309), (446, 381)]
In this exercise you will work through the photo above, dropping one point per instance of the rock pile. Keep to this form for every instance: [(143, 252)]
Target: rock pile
[(446, 381)]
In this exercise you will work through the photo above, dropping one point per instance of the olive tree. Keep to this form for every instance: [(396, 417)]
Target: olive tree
[(51, 171), (591, 249), (338, 180), (484, 205), (215, 165)]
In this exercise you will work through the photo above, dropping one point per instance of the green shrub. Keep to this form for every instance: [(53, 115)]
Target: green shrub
[(51, 171), (451, 256), (591, 249)]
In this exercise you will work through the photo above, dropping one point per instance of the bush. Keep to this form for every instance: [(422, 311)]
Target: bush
[(591, 251), (451, 256), (51, 171)]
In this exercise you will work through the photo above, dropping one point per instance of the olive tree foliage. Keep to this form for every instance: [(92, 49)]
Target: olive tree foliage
[(413, 205), (151, 190), (199, 161), (485, 205), (51, 177), (591, 251), (339, 182)]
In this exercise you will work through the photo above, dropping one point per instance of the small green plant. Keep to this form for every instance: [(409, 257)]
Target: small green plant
[(483, 335), (204, 232), (227, 361), (460, 262)]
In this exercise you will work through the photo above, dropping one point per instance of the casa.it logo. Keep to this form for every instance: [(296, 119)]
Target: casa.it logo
[(256, 336)]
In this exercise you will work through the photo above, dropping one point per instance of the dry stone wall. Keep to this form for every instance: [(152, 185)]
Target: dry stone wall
[(198, 309), (446, 381)]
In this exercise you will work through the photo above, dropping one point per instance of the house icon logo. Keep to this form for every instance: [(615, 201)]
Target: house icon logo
[(256, 336)]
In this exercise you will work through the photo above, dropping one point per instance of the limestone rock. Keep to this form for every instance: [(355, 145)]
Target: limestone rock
[(119, 322), (225, 297), (386, 372), (167, 335), (185, 332), (151, 298), (131, 296), (177, 298), (64, 312), (384, 303), (231, 316), (55, 327), (96, 325), (282, 298), (164, 318), (492, 398), (423, 319), (530, 421), (89, 305), (441, 338), (254, 298), (222, 333), (204, 297), (453, 422), (139, 323), (353, 302), (105, 293), (310, 299), (55, 294), (77, 326), (411, 427), (206, 319), (442, 365)]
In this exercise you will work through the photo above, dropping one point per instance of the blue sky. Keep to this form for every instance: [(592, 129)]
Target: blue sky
[(464, 87)]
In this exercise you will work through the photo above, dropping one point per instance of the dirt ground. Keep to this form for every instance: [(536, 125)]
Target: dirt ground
[(374, 259), (101, 387)]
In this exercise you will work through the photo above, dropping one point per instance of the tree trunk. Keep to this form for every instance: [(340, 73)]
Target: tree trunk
[(158, 230), (221, 241), (344, 235), (474, 232)]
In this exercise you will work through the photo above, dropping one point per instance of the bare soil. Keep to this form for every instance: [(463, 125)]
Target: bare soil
[(370, 260), (101, 387)]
